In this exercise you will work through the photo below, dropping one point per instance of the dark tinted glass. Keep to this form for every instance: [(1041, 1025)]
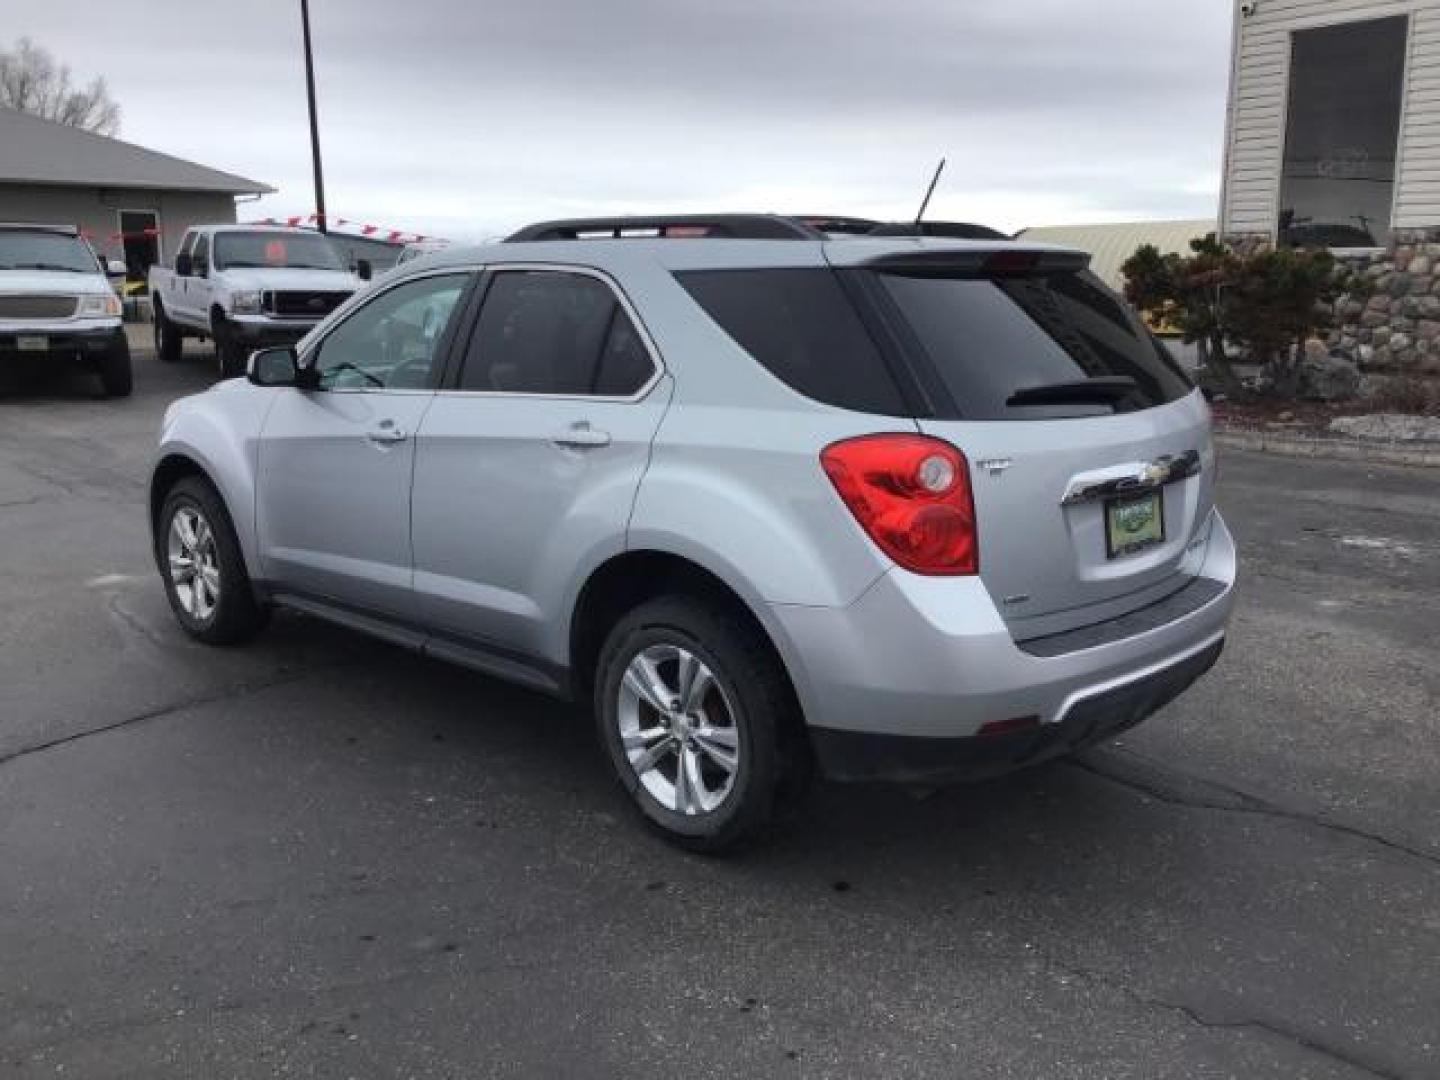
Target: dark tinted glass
[(989, 338), (1341, 130), (802, 327), (552, 332)]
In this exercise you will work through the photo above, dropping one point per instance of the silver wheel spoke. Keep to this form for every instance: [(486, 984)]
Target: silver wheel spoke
[(639, 740), (721, 745), (652, 757), (682, 780), (693, 693), (645, 681), (211, 577), (185, 529)]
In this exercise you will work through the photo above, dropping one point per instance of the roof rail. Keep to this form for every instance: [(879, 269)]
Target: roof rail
[(677, 226), (838, 224)]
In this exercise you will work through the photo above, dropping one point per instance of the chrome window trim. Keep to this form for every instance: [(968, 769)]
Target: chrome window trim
[(342, 314), (657, 363)]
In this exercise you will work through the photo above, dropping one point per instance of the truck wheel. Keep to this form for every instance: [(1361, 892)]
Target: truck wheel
[(169, 343), (115, 373), (229, 349), (691, 706)]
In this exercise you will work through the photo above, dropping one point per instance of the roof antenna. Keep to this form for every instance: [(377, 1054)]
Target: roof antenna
[(919, 231)]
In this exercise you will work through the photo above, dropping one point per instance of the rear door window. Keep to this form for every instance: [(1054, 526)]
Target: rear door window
[(989, 338), (801, 326), (554, 332)]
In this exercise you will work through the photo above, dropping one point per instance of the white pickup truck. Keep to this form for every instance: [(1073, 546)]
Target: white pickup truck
[(245, 287), (57, 304)]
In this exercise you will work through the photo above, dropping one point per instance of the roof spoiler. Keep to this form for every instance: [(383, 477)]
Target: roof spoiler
[(950, 230), (676, 227)]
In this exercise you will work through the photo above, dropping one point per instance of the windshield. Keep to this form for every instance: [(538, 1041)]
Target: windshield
[(301, 251), (22, 249)]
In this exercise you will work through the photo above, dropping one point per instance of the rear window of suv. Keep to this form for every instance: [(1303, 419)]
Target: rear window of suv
[(801, 326), (988, 338)]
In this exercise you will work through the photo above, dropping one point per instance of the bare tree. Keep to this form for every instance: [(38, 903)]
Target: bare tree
[(32, 81)]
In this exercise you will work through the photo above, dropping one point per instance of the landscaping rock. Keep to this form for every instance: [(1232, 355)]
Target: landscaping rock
[(1328, 378), (1420, 264), (1390, 427), (1378, 302), (1427, 329), (1398, 285)]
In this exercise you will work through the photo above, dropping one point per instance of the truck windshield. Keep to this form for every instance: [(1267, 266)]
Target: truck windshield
[(36, 249), (301, 251)]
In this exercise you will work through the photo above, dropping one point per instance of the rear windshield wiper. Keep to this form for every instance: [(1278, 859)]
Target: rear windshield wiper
[(1102, 389)]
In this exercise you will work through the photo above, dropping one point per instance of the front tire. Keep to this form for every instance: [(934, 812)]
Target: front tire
[(200, 560), (116, 376), (229, 348), (691, 704), (169, 342)]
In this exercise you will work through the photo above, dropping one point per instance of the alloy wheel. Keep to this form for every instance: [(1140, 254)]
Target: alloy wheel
[(678, 730), (194, 562)]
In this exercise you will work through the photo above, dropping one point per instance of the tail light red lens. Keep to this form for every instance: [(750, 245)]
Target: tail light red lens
[(911, 495)]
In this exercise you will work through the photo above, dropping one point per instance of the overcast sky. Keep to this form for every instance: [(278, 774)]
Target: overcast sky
[(470, 117)]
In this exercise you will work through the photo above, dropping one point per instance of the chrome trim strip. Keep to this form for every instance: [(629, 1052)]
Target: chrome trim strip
[(1135, 478)]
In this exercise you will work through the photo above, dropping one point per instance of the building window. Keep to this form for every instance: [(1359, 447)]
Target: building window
[(1346, 86)]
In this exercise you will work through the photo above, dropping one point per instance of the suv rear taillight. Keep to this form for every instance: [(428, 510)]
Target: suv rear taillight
[(911, 495)]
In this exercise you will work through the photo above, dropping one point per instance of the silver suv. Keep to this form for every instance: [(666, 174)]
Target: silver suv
[(914, 510)]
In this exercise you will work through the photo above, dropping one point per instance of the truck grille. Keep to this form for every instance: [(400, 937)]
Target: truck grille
[(37, 307), (302, 305)]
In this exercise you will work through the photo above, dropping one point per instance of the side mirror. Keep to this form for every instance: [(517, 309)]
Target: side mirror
[(279, 366), (115, 268), (184, 267), (363, 270)]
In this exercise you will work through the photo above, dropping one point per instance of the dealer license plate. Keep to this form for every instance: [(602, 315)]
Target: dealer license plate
[(32, 343), (1134, 524)]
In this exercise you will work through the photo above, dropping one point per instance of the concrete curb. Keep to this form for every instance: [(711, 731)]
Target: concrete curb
[(1290, 444)]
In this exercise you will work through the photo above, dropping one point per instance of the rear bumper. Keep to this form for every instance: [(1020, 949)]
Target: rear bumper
[(898, 684), (857, 756), (63, 341)]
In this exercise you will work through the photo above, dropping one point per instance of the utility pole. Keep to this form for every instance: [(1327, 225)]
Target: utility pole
[(320, 221)]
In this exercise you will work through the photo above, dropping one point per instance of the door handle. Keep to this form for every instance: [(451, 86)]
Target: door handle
[(581, 436), (386, 433)]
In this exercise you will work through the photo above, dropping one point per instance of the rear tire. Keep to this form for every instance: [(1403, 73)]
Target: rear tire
[(203, 569), (169, 342), (739, 715), (116, 377), (229, 349)]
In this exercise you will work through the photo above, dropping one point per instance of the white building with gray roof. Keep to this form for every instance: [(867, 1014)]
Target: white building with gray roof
[(132, 203)]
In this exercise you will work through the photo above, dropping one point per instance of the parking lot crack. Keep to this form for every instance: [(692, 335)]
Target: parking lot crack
[(237, 690), (1199, 1017), (1222, 799)]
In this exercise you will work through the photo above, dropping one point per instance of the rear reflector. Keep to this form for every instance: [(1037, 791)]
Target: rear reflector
[(911, 495), (1009, 727)]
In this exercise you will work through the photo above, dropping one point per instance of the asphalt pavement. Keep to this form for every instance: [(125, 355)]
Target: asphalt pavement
[(320, 856)]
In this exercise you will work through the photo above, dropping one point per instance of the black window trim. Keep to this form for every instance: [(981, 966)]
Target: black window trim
[(341, 315), (454, 370)]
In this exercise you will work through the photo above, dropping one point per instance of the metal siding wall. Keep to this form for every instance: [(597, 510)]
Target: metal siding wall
[(1256, 140), (97, 210)]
